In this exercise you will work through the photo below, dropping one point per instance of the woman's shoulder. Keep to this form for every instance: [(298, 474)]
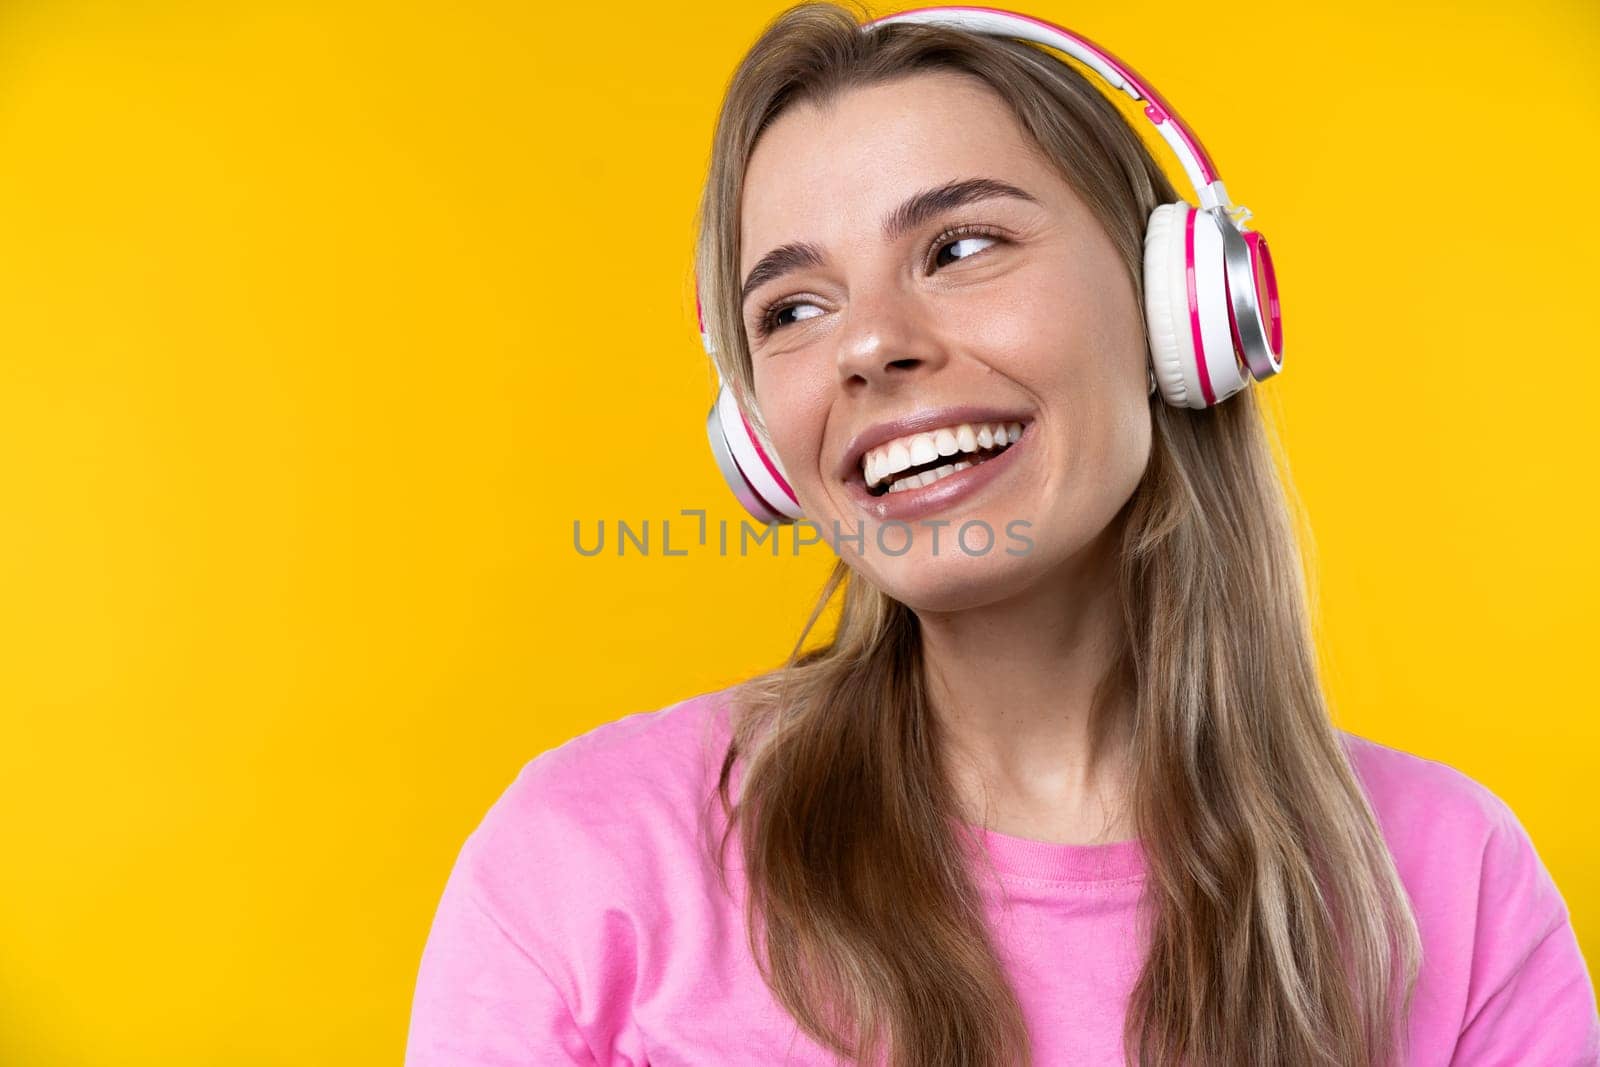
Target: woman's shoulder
[(636, 776), (1441, 823), (602, 823), (655, 748), (1404, 786), (602, 805), (1501, 960), (575, 873)]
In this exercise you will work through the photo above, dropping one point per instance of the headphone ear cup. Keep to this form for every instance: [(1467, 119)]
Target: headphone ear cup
[(1187, 314), (1167, 354), (748, 464)]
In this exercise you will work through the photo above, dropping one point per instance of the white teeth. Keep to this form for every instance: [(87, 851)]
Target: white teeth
[(881, 464), (917, 481), (898, 457)]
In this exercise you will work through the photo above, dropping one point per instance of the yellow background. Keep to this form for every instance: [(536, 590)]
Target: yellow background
[(320, 324)]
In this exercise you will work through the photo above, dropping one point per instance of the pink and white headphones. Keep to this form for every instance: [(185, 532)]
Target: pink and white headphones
[(1210, 294)]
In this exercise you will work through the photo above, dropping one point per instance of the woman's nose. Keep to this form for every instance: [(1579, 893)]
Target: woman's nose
[(885, 339)]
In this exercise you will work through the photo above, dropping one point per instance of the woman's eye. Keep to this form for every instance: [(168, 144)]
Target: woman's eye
[(775, 318), (772, 319), (968, 240)]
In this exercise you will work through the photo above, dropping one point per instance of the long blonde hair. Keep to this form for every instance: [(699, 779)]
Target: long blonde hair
[(1280, 932)]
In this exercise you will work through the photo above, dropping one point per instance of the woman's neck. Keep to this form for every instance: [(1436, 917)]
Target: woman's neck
[(1013, 684)]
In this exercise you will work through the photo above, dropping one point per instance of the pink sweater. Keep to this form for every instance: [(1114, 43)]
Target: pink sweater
[(580, 926)]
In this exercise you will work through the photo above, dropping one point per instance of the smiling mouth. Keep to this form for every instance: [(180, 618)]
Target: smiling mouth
[(928, 473), (938, 454)]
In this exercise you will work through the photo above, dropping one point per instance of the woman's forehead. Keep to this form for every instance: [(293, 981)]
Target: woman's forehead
[(817, 169)]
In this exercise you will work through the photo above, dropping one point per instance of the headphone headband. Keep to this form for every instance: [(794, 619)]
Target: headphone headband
[(994, 21)]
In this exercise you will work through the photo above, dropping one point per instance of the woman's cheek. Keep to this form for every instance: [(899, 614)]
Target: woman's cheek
[(795, 434)]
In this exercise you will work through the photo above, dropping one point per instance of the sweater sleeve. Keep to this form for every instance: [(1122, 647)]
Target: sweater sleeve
[(1531, 1000), (481, 999)]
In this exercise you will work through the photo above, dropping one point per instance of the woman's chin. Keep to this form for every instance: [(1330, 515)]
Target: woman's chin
[(943, 582)]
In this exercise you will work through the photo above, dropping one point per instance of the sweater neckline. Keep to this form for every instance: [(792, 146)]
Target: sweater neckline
[(1048, 861)]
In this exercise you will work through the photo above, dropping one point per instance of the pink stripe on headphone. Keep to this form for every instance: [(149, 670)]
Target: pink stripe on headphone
[(756, 441), (1194, 310), (757, 493)]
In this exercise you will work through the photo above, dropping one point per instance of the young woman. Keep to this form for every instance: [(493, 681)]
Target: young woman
[(1072, 799)]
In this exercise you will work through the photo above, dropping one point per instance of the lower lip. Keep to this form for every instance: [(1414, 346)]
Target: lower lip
[(945, 493)]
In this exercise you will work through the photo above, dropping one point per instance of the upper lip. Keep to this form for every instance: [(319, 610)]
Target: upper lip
[(917, 422)]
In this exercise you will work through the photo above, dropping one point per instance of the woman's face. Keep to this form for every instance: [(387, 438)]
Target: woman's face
[(894, 314)]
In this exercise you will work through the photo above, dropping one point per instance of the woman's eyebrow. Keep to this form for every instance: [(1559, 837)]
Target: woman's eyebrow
[(916, 210)]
